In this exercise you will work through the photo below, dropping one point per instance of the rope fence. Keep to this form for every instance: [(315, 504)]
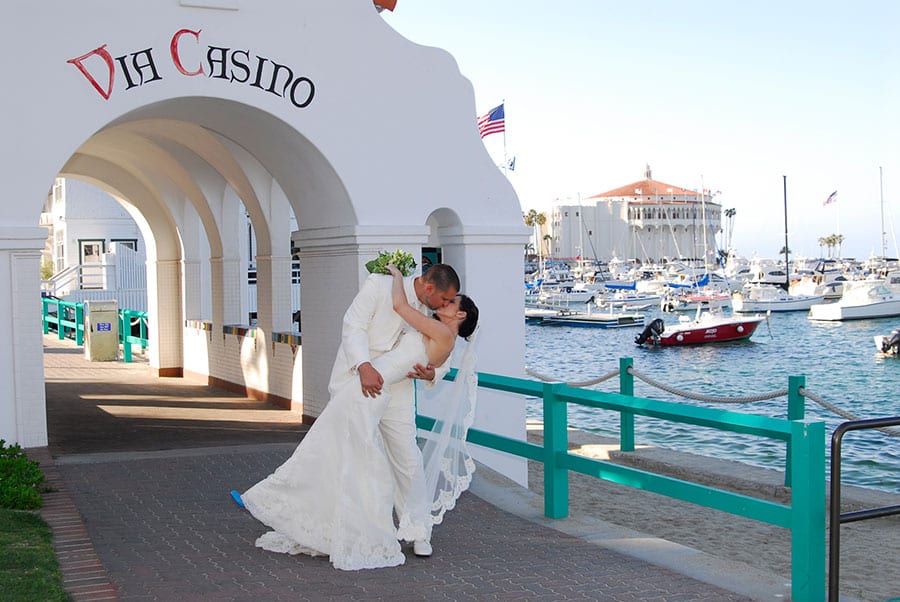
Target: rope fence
[(712, 398)]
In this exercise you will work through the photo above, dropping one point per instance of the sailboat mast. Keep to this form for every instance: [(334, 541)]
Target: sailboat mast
[(703, 217), (580, 237), (883, 233), (787, 266)]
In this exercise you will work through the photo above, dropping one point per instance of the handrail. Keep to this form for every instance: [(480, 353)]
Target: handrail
[(69, 317), (836, 518), (127, 319), (70, 274), (804, 516)]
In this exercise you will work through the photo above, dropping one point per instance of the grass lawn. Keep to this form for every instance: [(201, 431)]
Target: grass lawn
[(29, 570)]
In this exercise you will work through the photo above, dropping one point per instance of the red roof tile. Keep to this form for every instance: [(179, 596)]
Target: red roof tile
[(647, 188)]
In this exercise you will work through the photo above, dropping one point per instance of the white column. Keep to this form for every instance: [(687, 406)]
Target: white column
[(479, 253), (273, 272), (193, 289), (217, 286), (23, 415), (333, 261), (166, 318), (234, 291), (273, 293), (195, 251)]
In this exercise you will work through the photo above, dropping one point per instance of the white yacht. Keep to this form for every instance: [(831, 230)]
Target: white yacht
[(767, 297), (861, 299)]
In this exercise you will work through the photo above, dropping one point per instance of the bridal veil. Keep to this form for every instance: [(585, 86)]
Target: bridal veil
[(448, 465)]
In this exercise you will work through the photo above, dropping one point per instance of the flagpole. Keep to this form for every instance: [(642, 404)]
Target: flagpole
[(883, 231), (837, 218), (505, 161)]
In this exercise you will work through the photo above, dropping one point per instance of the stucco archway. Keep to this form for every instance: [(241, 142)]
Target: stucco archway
[(184, 108)]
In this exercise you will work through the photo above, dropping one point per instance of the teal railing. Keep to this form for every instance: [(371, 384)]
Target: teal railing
[(68, 318), (128, 319), (805, 443)]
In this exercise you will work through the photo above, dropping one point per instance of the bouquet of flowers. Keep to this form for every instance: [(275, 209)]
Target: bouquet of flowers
[(403, 260)]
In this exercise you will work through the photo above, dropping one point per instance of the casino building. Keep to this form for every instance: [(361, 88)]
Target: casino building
[(647, 220)]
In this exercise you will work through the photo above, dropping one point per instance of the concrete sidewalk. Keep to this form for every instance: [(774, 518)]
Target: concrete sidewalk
[(143, 467)]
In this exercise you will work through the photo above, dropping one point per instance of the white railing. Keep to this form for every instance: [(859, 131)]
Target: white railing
[(123, 277)]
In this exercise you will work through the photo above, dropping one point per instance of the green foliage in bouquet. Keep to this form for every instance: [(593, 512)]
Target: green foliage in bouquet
[(20, 479), (403, 260)]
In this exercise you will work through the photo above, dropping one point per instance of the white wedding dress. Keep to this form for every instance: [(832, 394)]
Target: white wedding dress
[(334, 495)]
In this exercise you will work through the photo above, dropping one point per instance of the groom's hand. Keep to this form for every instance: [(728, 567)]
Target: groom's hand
[(370, 380), (422, 372)]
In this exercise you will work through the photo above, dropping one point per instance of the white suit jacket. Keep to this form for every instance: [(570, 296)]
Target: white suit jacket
[(372, 327)]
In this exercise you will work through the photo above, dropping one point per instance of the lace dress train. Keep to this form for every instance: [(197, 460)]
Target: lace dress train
[(334, 495)]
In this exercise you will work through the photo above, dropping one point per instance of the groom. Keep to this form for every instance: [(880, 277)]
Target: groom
[(370, 328)]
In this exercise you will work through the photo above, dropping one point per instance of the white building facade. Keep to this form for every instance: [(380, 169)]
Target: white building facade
[(190, 112), (647, 220)]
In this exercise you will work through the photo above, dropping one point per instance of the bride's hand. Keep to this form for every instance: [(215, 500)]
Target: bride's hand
[(393, 270), (421, 372)]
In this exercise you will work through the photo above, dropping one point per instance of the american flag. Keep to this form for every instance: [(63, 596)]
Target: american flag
[(492, 122), (832, 198)]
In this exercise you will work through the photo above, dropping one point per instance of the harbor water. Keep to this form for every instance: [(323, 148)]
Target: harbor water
[(838, 359)]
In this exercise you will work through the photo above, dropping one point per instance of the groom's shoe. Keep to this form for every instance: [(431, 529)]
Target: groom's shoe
[(422, 548)]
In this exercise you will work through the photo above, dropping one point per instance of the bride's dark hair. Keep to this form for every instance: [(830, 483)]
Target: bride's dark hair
[(467, 326)]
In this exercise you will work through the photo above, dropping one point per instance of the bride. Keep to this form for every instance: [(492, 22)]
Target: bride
[(334, 495)]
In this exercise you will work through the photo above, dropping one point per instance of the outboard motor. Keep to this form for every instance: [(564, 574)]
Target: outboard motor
[(891, 343), (653, 329)]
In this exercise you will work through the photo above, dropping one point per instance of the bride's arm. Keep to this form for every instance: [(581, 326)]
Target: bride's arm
[(434, 329)]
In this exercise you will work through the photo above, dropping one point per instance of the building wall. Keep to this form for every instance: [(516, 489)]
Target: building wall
[(160, 129), (91, 214), (625, 229)]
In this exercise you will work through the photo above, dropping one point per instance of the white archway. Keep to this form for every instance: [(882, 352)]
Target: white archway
[(369, 138)]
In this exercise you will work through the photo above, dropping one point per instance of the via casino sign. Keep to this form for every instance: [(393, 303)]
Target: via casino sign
[(233, 66)]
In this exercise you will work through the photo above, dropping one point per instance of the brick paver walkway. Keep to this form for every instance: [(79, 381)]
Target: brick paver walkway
[(144, 467)]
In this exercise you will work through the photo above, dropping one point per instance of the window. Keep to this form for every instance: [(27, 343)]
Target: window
[(131, 243), (59, 240)]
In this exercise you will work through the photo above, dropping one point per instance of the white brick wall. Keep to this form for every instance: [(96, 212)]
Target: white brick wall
[(23, 417), (256, 363)]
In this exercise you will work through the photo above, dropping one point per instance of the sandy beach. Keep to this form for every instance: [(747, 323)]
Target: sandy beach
[(870, 550)]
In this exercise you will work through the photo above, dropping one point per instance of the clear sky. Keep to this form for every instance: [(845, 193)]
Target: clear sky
[(735, 95)]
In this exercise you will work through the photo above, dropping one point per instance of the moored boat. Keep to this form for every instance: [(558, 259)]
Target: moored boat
[(756, 298), (706, 328), (862, 299), (889, 344), (567, 317), (694, 300), (625, 300)]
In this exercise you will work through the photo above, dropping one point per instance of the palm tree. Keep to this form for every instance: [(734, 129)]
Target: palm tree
[(831, 241), (729, 224), (535, 220), (823, 242)]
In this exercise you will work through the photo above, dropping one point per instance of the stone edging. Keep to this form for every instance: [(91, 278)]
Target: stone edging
[(84, 576)]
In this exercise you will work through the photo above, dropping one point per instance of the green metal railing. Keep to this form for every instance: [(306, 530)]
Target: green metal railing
[(68, 318), (805, 441), (127, 319)]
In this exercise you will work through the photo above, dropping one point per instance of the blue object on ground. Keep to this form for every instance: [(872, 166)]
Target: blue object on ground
[(237, 498)]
